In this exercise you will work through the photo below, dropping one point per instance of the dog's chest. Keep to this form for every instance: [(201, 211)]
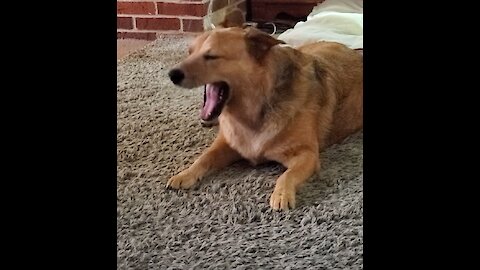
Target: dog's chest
[(247, 142)]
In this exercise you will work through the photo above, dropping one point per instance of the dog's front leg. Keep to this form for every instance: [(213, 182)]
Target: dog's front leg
[(300, 167), (217, 156)]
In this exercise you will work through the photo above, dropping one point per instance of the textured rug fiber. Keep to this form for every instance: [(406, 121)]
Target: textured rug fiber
[(225, 222)]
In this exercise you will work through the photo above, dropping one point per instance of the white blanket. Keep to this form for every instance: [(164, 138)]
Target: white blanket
[(333, 20)]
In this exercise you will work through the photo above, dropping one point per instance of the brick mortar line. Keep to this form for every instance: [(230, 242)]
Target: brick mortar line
[(160, 1), (159, 16), (159, 32), (145, 31), (134, 23), (184, 3)]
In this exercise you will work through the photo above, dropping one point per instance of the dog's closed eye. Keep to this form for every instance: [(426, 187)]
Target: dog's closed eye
[(210, 57)]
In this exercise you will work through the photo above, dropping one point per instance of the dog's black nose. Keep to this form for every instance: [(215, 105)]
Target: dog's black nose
[(176, 75)]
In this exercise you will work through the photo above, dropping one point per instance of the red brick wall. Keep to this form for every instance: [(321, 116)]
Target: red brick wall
[(144, 19)]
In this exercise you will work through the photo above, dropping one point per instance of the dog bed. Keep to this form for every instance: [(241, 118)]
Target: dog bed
[(332, 20)]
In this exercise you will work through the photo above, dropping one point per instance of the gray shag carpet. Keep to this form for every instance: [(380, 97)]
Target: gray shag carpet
[(225, 222)]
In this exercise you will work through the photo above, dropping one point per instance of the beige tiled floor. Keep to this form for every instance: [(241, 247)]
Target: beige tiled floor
[(127, 46)]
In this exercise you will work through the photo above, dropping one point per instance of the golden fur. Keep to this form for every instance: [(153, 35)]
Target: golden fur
[(285, 104)]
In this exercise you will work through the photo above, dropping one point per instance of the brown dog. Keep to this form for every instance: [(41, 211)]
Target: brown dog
[(273, 103)]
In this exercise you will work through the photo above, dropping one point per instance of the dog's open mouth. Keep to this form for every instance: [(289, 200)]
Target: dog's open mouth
[(215, 96)]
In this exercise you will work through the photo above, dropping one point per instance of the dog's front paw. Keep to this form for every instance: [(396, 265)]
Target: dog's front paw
[(181, 180), (282, 199)]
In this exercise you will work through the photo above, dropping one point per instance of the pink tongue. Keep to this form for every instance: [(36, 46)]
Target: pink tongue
[(211, 101)]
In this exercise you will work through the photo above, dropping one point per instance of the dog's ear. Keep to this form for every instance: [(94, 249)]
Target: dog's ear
[(259, 43), (233, 19)]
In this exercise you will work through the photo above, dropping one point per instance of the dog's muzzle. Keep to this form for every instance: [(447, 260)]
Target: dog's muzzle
[(176, 75)]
